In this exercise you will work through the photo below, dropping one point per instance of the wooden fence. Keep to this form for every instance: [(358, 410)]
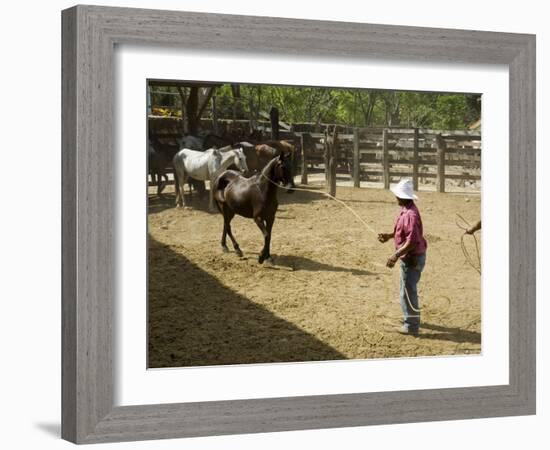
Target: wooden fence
[(380, 154), (373, 154)]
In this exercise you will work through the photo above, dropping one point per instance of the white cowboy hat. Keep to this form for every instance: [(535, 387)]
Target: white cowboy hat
[(404, 190)]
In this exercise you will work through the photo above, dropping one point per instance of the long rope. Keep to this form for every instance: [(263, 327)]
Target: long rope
[(465, 226), (416, 310), (368, 227), (466, 255)]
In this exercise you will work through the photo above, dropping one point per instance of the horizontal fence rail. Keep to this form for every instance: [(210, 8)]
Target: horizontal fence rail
[(383, 154), (374, 154)]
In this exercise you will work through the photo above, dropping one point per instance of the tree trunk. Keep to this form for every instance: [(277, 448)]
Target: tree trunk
[(368, 110), (393, 109), (183, 111), (201, 110), (237, 107), (274, 118), (192, 107)]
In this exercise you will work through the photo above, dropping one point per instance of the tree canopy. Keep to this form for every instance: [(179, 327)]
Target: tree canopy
[(351, 107)]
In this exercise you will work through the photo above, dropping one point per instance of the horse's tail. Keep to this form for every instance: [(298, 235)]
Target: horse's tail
[(176, 181), (219, 185)]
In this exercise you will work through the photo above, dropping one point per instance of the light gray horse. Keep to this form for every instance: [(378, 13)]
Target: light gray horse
[(204, 166)]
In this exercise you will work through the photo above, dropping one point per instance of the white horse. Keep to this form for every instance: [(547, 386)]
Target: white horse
[(204, 166)]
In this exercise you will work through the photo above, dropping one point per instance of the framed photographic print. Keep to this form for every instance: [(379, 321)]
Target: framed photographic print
[(266, 229)]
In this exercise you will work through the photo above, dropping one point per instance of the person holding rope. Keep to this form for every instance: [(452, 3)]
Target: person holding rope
[(410, 249), (470, 230)]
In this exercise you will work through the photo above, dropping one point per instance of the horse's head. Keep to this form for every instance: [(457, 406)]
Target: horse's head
[(282, 172), (240, 159)]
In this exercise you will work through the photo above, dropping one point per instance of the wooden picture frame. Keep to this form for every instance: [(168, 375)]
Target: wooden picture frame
[(89, 35)]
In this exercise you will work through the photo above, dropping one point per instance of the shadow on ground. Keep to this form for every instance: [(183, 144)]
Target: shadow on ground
[(156, 203), (194, 320), (453, 334), (303, 263)]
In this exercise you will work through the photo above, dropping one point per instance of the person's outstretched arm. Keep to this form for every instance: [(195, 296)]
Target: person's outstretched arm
[(384, 237), (474, 228)]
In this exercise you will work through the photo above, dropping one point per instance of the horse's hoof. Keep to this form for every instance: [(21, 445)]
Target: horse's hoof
[(225, 249), (269, 262), (239, 253)]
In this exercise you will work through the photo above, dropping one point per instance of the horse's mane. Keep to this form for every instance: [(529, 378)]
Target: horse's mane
[(266, 171)]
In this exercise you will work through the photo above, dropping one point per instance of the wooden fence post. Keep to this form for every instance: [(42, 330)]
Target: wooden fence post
[(215, 126), (415, 160), (441, 147), (327, 159), (385, 159), (333, 161), (356, 160), (274, 119), (304, 158), (293, 159)]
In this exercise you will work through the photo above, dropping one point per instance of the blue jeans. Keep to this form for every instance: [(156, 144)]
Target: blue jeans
[(411, 269)]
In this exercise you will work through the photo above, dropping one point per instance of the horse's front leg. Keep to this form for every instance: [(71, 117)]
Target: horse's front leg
[(264, 254), (162, 184), (267, 246)]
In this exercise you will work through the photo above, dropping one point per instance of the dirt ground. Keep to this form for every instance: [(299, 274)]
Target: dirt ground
[(328, 295)]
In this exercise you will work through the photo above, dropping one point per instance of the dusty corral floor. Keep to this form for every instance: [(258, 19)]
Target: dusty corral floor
[(328, 295)]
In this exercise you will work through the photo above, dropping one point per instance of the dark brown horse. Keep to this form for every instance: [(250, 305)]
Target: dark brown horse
[(158, 162), (160, 156), (254, 197), (259, 154)]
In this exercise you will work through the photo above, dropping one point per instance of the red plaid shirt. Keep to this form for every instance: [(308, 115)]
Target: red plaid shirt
[(408, 227)]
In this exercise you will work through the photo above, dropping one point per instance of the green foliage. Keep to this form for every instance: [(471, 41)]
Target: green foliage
[(352, 107), (363, 107)]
